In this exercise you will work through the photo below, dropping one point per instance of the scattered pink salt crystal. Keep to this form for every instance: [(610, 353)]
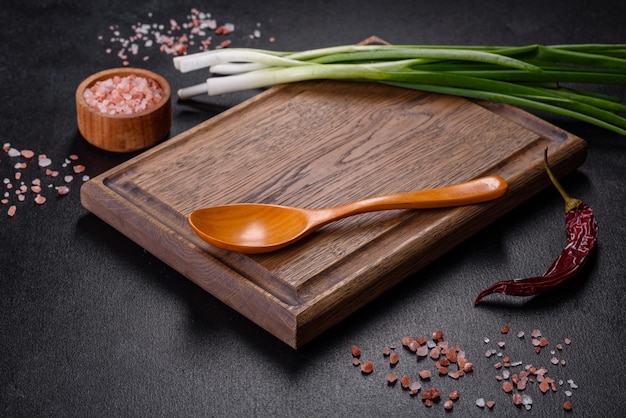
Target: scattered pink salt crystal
[(62, 190), (40, 200)]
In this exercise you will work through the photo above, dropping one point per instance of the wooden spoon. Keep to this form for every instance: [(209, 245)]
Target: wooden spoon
[(259, 228)]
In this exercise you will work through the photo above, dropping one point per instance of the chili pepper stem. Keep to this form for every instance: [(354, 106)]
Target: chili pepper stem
[(570, 202)]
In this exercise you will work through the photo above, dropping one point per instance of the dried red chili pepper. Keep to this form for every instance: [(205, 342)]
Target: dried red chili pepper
[(582, 231)]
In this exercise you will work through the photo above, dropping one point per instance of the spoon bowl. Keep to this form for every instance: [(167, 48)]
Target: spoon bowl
[(259, 228), (244, 227)]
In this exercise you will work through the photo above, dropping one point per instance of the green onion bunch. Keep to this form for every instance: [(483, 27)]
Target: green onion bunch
[(545, 78)]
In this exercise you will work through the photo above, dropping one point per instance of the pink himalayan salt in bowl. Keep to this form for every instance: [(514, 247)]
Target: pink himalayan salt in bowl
[(124, 109), (125, 95)]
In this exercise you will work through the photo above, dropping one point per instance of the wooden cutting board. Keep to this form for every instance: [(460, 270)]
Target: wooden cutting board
[(318, 144)]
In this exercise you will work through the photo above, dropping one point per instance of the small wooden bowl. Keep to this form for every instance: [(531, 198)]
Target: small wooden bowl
[(124, 133)]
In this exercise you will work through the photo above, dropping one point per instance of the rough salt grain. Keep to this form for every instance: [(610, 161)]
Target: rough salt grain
[(454, 395), (367, 367), (406, 341), (356, 351), (422, 351), (527, 401), (62, 190)]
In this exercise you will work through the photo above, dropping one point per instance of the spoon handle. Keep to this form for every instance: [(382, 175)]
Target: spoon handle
[(474, 191)]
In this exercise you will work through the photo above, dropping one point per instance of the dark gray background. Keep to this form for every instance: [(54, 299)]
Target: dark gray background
[(93, 325)]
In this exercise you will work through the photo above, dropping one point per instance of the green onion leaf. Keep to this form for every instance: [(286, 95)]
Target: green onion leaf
[(545, 78)]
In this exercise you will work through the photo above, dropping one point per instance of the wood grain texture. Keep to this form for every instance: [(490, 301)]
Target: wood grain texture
[(321, 144)]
